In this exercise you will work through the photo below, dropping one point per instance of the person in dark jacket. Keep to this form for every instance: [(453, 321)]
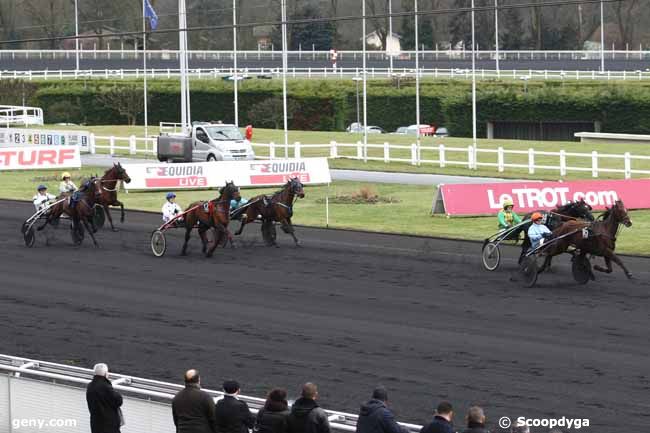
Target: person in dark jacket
[(475, 421), (375, 417), (306, 416), (192, 408), (103, 403), (441, 420), (233, 415), (273, 417)]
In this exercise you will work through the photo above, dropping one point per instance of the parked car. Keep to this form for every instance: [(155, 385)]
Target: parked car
[(402, 130), (358, 129), (441, 132)]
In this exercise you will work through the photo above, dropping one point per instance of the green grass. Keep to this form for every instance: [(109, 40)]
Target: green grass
[(409, 211), (324, 137)]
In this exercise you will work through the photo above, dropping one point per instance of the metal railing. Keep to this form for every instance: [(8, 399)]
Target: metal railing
[(11, 115), (24, 371), (328, 72)]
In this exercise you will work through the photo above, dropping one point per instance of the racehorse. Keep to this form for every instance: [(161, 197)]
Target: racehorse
[(572, 210), (80, 208), (108, 185), (596, 238), (278, 207), (212, 214)]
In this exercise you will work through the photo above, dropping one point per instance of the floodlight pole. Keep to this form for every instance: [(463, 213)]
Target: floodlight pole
[(234, 57)]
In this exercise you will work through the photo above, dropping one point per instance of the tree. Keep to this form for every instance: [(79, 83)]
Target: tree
[(269, 113), (511, 33), (381, 25), (460, 28), (625, 11), (127, 100), (319, 34), (50, 15)]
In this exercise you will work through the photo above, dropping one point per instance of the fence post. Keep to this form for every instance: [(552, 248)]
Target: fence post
[(469, 157), (441, 155), (132, 145), (333, 150), (628, 166), (271, 150), (500, 159), (386, 152), (594, 164), (111, 141), (154, 146), (359, 150), (296, 149), (531, 161), (414, 154), (562, 162), (92, 143)]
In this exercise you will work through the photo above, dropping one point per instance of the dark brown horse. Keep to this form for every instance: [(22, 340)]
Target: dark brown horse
[(108, 186), (80, 208), (278, 207), (597, 238), (213, 214)]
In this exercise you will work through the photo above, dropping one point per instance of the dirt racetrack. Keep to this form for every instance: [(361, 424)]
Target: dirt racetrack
[(348, 311)]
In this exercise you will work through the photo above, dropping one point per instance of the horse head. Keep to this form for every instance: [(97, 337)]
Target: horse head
[(228, 191), (581, 209), (120, 173), (619, 213), (296, 187)]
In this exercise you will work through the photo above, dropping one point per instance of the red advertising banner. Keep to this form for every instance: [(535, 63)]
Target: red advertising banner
[(33, 157), (480, 199)]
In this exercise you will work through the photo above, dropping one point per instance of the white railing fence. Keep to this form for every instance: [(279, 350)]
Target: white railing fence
[(530, 161), (38, 390), (11, 115), (328, 72)]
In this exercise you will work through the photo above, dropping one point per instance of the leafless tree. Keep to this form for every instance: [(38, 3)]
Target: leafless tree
[(125, 99)]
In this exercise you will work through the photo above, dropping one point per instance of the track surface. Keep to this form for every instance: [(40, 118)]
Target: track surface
[(348, 311)]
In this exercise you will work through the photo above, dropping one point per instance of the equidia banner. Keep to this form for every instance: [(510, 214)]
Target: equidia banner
[(479, 199), (12, 137), (33, 157), (216, 174)]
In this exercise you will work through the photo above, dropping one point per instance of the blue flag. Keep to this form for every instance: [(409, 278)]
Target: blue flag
[(151, 14)]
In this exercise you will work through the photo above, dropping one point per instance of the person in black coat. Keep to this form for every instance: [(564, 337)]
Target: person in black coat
[(193, 408), (441, 421), (475, 421), (306, 416), (233, 415), (273, 417), (103, 403), (375, 417)]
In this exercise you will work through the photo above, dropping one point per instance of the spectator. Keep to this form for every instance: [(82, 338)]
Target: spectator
[(233, 415), (375, 417), (475, 421), (306, 416), (525, 429), (441, 420), (103, 403), (192, 408), (273, 417)]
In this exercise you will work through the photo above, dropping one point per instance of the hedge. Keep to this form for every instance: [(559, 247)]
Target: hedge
[(331, 104)]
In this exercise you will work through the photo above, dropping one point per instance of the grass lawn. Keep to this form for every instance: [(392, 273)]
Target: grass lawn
[(324, 137), (406, 210)]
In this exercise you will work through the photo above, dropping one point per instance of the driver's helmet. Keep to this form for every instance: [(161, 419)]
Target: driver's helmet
[(64, 175), (536, 216), (507, 203), (41, 187), (170, 195)]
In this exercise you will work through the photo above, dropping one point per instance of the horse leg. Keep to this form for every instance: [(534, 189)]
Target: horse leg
[(218, 234), (188, 231), (107, 211), (204, 239), (546, 265), (90, 232), (121, 205), (610, 257), (288, 228)]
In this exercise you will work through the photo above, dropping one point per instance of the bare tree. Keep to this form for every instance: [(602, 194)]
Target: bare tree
[(625, 12), (379, 7), (49, 15), (7, 18), (125, 99)]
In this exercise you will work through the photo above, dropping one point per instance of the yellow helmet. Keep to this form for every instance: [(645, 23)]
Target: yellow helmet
[(64, 175), (507, 203)]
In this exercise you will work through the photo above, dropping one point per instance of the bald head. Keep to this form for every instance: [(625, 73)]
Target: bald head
[(192, 376), (310, 391)]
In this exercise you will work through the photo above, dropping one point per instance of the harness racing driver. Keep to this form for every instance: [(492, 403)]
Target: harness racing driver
[(537, 231), (507, 217), (170, 209), (42, 197)]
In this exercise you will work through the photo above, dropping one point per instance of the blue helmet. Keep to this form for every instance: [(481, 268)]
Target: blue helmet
[(170, 195), (41, 187)]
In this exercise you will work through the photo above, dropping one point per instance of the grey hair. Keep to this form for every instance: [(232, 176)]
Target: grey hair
[(101, 369), (475, 414)]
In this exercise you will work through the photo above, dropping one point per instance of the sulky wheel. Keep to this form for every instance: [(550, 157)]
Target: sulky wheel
[(491, 256), (158, 243), (29, 236), (529, 270), (581, 269), (99, 217)]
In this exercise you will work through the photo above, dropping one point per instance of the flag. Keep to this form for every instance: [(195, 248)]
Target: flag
[(151, 14)]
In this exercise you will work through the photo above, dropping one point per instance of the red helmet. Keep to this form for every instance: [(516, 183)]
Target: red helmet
[(536, 216)]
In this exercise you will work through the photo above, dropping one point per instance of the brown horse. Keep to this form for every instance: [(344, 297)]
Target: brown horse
[(213, 214), (278, 207), (80, 208), (108, 186), (597, 238)]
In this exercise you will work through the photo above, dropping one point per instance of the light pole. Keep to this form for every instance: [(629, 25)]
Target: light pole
[(473, 89), (356, 80), (144, 66), (234, 57), (390, 33), (496, 32), (283, 6), (417, 83), (365, 83), (76, 32), (602, 37)]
